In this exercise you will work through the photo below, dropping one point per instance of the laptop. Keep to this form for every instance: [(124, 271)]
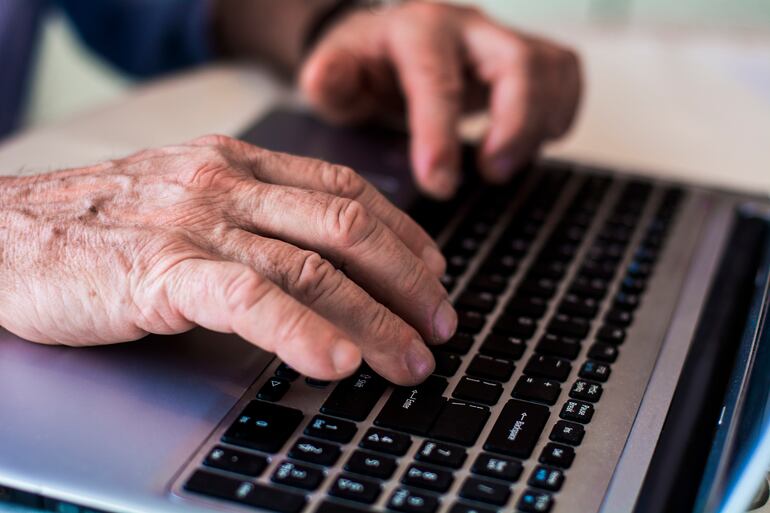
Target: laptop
[(612, 355)]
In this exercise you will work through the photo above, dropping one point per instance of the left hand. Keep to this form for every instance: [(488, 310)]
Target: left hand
[(446, 60)]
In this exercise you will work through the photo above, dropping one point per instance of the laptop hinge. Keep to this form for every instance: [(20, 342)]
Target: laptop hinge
[(680, 456)]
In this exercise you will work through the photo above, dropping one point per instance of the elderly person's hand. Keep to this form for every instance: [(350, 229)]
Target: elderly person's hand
[(299, 257), (443, 60)]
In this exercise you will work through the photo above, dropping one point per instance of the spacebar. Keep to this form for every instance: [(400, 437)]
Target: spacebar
[(245, 492)]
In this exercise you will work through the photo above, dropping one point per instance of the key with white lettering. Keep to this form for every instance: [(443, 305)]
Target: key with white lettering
[(517, 429), (429, 478), (413, 409)]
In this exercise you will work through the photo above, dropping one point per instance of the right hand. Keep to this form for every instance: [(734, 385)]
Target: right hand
[(230, 237)]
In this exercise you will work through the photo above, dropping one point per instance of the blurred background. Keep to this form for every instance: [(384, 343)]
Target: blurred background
[(69, 78)]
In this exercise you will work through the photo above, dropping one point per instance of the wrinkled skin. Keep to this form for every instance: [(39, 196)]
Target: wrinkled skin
[(441, 61), (299, 257)]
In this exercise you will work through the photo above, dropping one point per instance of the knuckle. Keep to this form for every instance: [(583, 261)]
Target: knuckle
[(414, 279), (243, 291), (312, 277), (214, 140), (430, 11), (342, 181), (349, 223)]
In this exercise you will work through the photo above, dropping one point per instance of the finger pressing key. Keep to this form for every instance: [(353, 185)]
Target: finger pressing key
[(232, 298), (343, 231), (389, 345)]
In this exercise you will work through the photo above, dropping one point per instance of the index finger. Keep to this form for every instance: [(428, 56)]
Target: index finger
[(428, 64)]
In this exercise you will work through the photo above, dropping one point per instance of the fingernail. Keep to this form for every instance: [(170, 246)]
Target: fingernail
[(502, 167), (434, 260), (419, 361), (444, 322), (445, 182), (346, 357)]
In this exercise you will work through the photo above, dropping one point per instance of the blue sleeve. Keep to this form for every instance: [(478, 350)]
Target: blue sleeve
[(144, 37)]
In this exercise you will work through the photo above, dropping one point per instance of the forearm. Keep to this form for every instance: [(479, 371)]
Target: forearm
[(271, 31)]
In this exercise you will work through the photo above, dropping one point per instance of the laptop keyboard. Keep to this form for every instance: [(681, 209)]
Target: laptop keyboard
[(525, 277)]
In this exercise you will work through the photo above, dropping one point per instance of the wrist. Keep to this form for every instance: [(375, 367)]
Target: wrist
[(274, 32)]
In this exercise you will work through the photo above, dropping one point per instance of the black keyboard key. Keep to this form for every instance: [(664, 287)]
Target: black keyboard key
[(579, 306), (517, 429), (286, 372), (553, 270), (497, 369), (598, 269), (557, 455), (583, 286), (328, 428), (546, 478), (478, 390), (586, 391), (429, 478), (469, 321), (483, 302), (314, 451), (511, 348), (386, 441), (539, 287), (595, 371), (413, 409), (412, 501), (456, 264), (571, 327), (355, 489), (460, 343), (532, 501), (355, 396), (639, 270), (448, 282), (631, 285), (245, 492), (541, 390), (628, 302), (236, 461), (263, 426), (618, 317), (296, 475), (577, 411), (498, 467), (515, 326), (446, 363), (460, 422), (528, 306), (333, 507), (441, 454), (491, 283), (611, 334), (317, 383), (501, 263), (555, 345), (481, 490), (459, 507), (567, 432), (370, 464), (548, 367), (603, 352)]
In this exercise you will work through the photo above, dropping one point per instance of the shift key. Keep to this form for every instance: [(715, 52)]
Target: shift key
[(413, 409), (355, 396), (517, 429)]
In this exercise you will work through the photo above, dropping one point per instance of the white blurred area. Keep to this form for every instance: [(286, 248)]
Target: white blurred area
[(69, 79)]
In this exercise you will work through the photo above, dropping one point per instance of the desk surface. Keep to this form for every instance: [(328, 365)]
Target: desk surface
[(689, 107), (695, 108)]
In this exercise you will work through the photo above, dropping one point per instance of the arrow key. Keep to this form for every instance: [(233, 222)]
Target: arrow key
[(274, 389)]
